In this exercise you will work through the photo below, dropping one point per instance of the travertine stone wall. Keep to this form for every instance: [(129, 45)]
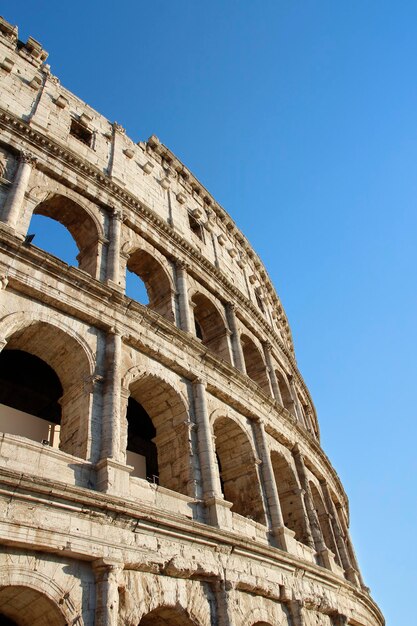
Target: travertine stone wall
[(231, 513)]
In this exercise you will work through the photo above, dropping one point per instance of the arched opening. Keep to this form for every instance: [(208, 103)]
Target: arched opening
[(210, 327), (141, 448), (43, 369), (161, 410), (254, 363), (54, 238), (345, 532), (324, 521), (289, 496), (24, 606), (30, 392), (80, 225), (155, 280), (285, 392), (237, 469), (167, 616), (304, 412), (136, 288)]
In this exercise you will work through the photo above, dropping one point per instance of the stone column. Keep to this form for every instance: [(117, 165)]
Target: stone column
[(282, 534), (112, 473), (237, 351), (297, 408), (338, 535), (297, 612), (117, 160), (113, 255), (14, 203), (272, 376), (315, 537), (218, 508), (224, 592), (183, 302), (107, 574), (351, 552)]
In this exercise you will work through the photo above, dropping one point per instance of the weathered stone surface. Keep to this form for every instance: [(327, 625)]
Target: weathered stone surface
[(159, 464)]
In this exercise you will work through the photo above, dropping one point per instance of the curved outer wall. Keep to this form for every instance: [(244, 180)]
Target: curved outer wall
[(229, 513)]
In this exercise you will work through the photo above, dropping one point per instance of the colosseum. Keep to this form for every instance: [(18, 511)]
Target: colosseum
[(160, 464)]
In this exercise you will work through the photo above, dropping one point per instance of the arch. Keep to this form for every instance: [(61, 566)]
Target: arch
[(168, 616), (210, 326), (156, 280), (290, 496), (168, 414), (62, 353), (237, 468), (254, 363), (28, 607), (285, 391), (80, 222), (29, 403), (15, 322), (44, 591), (324, 521)]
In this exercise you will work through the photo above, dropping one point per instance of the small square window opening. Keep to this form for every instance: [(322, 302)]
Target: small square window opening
[(80, 132)]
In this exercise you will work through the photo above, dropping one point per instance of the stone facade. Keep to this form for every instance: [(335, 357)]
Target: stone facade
[(159, 464)]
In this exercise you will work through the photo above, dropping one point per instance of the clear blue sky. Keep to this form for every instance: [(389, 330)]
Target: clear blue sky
[(300, 118)]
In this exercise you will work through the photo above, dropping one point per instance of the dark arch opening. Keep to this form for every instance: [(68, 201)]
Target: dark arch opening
[(285, 392), (167, 413), (290, 497), (140, 435), (67, 358), (254, 363), (5, 621), (155, 280), (210, 327), (24, 606), (237, 469), (32, 389)]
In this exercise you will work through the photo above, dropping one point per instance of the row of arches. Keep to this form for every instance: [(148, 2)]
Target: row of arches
[(46, 395), (22, 605), (150, 279)]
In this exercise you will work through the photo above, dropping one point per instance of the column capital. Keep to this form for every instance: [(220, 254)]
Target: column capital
[(117, 214), (259, 421), (114, 330), (107, 565), (182, 265), (199, 381), (91, 381), (267, 345), (27, 157)]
